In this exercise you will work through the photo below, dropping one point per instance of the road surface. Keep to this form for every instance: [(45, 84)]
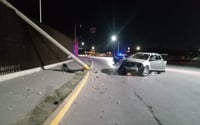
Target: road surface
[(170, 98)]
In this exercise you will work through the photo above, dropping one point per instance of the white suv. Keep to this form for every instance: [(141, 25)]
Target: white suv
[(143, 63)]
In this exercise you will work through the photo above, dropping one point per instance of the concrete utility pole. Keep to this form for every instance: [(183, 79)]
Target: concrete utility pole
[(40, 7), (46, 35)]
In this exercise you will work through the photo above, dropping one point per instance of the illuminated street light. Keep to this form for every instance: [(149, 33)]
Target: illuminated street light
[(93, 47), (114, 38), (138, 48), (93, 51), (82, 43), (128, 49)]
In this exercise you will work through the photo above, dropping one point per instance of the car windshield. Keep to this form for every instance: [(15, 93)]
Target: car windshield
[(140, 56)]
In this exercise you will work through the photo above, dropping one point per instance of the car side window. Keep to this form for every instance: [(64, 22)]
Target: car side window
[(152, 58), (158, 57)]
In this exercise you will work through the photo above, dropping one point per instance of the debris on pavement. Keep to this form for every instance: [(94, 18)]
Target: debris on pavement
[(10, 108), (117, 123), (118, 102), (39, 93), (28, 89), (51, 102)]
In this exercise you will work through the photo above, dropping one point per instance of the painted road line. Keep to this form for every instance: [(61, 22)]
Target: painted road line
[(57, 116)]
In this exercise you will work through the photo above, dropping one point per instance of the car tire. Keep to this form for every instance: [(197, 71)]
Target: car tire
[(145, 71)]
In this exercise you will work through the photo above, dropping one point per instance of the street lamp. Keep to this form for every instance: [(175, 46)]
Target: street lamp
[(114, 38), (128, 49), (93, 47), (138, 48), (82, 43)]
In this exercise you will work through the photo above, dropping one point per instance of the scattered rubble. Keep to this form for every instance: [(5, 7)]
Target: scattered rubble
[(117, 123), (27, 97), (10, 108), (28, 89), (101, 92), (39, 93), (51, 102), (101, 117), (75, 102), (118, 102)]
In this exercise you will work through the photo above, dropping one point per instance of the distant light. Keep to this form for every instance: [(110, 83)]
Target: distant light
[(128, 49), (82, 43), (93, 47), (120, 54), (113, 38), (138, 48)]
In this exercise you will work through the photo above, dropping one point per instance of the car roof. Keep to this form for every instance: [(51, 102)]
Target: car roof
[(150, 53)]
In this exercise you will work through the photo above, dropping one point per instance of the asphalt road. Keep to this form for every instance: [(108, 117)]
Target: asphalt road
[(170, 98)]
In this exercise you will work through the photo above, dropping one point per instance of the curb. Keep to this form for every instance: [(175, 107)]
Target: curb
[(58, 114), (29, 71)]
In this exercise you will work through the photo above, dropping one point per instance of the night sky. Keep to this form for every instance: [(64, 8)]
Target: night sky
[(152, 24)]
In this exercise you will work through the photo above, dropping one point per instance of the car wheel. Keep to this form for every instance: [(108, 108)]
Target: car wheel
[(145, 71)]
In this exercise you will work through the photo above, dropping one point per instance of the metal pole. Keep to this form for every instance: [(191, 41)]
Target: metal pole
[(40, 7), (117, 47), (41, 31), (74, 33)]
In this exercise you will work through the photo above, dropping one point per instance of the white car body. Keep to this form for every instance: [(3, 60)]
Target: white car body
[(142, 61)]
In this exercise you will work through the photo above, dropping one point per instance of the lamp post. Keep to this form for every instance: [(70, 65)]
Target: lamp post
[(138, 48), (83, 44), (93, 50), (114, 38)]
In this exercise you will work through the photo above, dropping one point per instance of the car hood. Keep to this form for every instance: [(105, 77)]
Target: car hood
[(135, 60)]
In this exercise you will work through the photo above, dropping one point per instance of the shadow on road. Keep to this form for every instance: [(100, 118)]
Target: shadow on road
[(65, 68), (109, 71)]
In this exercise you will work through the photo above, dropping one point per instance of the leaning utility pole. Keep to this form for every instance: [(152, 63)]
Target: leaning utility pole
[(46, 35), (40, 9)]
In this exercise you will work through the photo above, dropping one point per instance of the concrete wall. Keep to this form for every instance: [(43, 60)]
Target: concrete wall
[(22, 48)]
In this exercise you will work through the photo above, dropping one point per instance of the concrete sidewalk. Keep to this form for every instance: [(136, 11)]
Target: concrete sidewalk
[(22, 99)]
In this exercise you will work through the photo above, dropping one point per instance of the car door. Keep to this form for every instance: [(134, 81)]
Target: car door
[(152, 61), (159, 63)]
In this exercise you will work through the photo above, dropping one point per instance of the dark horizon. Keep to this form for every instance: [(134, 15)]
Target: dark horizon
[(171, 25)]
